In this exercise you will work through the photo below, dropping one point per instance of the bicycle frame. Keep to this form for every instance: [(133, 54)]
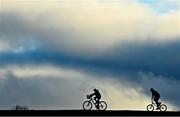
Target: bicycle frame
[(154, 103), (88, 104), (92, 100)]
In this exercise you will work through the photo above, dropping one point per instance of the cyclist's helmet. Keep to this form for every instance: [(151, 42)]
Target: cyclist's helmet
[(152, 89), (95, 89)]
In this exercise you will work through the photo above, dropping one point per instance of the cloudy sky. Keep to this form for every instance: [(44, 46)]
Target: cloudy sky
[(55, 52)]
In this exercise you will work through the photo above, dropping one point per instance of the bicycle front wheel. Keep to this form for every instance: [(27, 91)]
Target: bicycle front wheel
[(102, 105), (150, 107), (87, 105), (163, 107)]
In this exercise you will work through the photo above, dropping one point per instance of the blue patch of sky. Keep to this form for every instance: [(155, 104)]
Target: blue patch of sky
[(158, 6), (161, 6), (148, 1)]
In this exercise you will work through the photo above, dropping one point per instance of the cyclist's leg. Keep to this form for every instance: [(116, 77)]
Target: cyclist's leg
[(156, 100), (95, 99), (157, 103), (97, 102)]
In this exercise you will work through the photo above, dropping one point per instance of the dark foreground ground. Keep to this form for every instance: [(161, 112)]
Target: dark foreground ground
[(85, 113)]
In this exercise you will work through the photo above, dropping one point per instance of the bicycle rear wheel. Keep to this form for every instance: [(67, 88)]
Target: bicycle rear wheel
[(150, 107), (163, 107), (87, 105), (102, 105)]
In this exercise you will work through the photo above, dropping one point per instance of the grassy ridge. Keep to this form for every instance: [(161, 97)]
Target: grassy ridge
[(86, 113)]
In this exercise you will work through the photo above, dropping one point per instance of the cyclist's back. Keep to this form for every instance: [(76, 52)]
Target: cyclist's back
[(155, 93), (97, 94)]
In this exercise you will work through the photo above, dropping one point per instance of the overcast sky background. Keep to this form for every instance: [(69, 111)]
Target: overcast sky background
[(55, 52)]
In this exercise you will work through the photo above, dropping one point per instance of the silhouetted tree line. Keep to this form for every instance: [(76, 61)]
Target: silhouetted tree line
[(18, 107)]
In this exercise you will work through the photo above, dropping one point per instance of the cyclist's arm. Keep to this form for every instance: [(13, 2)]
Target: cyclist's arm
[(92, 94)]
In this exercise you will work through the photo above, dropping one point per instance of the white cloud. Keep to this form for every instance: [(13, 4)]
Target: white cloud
[(44, 71), (89, 27)]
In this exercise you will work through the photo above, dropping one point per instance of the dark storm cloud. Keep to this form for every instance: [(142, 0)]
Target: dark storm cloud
[(161, 59)]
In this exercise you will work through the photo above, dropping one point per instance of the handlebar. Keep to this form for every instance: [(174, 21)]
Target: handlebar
[(88, 97)]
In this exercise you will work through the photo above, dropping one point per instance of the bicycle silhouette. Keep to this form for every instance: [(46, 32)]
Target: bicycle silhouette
[(87, 105), (151, 106)]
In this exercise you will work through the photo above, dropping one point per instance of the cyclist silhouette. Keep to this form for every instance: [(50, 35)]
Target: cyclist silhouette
[(155, 97), (97, 97)]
